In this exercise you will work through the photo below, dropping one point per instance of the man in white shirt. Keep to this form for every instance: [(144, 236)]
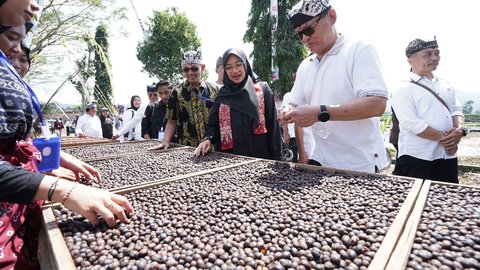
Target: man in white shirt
[(431, 123), (88, 125), (339, 91)]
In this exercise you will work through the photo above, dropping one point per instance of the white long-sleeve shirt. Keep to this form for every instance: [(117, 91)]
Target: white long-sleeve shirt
[(130, 122), (89, 125), (416, 109)]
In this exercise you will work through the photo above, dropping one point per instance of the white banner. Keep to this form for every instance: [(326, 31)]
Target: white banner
[(274, 16)]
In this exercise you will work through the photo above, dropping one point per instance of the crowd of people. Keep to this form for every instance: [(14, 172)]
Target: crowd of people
[(329, 118)]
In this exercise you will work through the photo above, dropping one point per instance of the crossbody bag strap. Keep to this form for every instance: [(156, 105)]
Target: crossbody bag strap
[(433, 93)]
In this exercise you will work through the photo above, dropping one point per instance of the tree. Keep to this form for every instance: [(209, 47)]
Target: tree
[(168, 33), (59, 35), (65, 21), (85, 71), (103, 79), (290, 51), (467, 107)]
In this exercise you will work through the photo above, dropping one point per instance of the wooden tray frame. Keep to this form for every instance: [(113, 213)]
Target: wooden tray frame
[(53, 252), (400, 255)]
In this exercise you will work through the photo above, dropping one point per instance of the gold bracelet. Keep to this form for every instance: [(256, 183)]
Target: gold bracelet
[(65, 197)]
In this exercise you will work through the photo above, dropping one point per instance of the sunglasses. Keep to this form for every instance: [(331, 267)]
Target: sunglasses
[(307, 31), (193, 69), (152, 94)]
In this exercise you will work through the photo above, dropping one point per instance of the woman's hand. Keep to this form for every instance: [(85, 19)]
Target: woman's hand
[(202, 148), (63, 173), (91, 202), (87, 201), (79, 167)]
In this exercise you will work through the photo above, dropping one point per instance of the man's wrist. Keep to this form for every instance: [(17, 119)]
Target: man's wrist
[(207, 138)]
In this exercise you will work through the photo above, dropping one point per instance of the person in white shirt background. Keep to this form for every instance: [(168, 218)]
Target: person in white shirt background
[(132, 120), (429, 130), (88, 125)]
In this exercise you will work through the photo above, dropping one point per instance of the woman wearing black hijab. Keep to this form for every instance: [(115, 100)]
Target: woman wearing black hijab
[(135, 133), (243, 120)]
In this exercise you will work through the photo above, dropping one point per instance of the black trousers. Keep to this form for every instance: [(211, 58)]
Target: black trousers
[(443, 170), (294, 148)]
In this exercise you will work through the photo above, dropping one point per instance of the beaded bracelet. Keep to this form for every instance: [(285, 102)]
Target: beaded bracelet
[(65, 197), (52, 188)]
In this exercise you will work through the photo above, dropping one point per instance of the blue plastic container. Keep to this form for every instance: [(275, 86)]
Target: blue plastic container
[(50, 150)]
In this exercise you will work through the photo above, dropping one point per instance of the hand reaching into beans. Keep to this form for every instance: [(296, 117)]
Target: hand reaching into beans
[(88, 201)]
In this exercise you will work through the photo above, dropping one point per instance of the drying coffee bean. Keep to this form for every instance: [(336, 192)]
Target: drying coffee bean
[(260, 215), (114, 149), (446, 235)]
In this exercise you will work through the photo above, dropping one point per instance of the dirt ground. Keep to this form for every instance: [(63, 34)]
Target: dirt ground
[(469, 160)]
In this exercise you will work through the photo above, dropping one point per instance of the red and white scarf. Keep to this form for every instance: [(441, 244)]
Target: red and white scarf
[(226, 137), (20, 223)]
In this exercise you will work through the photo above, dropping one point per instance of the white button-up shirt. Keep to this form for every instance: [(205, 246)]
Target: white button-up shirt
[(350, 70), (89, 125), (416, 109)]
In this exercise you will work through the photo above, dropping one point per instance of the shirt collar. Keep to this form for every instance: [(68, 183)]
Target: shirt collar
[(335, 48), (187, 85), (416, 78)]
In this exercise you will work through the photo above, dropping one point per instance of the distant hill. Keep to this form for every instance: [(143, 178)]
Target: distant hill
[(465, 96)]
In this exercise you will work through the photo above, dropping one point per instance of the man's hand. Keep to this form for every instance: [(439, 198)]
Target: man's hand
[(202, 148), (451, 140), (115, 137), (281, 114), (302, 116), (160, 146)]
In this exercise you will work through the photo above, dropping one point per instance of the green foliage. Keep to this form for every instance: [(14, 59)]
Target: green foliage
[(49, 109), (290, 51), (473, 118), (103, 92), (467, 107), (385, 121), (169, 32)]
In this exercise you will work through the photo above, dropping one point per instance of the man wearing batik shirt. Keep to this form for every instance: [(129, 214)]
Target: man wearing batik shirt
[(189, 104)]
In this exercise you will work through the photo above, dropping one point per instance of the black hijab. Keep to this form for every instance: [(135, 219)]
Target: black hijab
[(3, 28), (240, 96), (131, 103)]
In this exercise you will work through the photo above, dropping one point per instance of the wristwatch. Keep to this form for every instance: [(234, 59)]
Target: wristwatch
[(464, 131), (323, 115)]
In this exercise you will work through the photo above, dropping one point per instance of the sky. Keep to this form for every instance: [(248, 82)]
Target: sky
[(388, 25)]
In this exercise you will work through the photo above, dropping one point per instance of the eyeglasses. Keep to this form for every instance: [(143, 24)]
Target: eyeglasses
[(235, 66), (307, 31), (193, 69)]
